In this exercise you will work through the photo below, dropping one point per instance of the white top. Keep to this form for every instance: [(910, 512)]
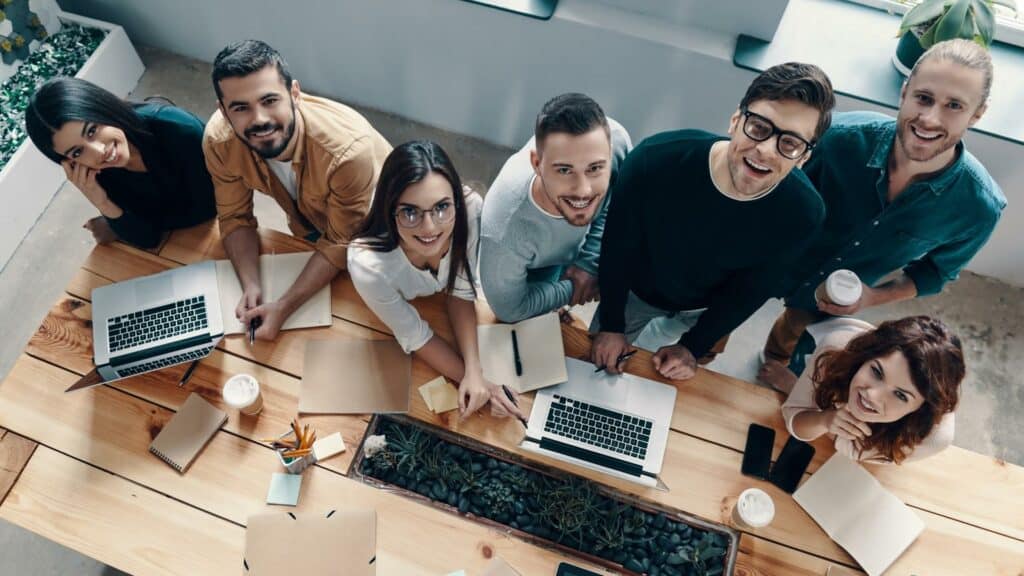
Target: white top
[(285, 174), (387, 281), (834, 334)]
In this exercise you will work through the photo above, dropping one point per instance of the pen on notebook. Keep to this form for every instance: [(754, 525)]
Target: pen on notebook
[(188, 373), (622, 358), (515, 354), (511, 398)]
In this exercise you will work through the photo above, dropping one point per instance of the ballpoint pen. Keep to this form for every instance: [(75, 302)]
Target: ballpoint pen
[(515, 354), (622, 358), (188, 373), (511, 398)]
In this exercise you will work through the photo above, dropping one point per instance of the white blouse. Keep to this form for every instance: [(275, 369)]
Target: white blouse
[(834, 334), (387, 281)]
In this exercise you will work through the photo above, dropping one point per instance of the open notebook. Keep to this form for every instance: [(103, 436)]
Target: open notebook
[(277, 274), (541, 353), (865, 519)]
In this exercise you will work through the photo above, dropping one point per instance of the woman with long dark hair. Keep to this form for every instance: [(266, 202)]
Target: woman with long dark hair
[(140, 165), (886, 394), (420, 238)]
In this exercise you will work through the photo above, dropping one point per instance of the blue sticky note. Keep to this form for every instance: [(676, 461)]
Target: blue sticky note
[(459, 573), (284, 489)]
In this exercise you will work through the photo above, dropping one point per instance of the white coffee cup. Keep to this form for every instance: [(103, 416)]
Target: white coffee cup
[(754, 509), (842, 288), (242, 392)]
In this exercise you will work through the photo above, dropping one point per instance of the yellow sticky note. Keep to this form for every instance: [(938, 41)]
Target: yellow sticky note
[(324, 448), (426, 389), (444, 398)]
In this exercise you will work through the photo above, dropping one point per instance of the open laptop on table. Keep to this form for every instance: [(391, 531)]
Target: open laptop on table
[(615, 424), (153, 322)]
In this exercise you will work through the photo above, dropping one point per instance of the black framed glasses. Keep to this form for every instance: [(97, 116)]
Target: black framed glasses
[(412, 216), (758, 128)]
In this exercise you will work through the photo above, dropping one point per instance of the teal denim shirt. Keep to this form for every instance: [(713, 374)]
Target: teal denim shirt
[(931, 230)]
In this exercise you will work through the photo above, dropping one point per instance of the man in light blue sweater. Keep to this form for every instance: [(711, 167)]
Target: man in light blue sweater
[(540, 231)]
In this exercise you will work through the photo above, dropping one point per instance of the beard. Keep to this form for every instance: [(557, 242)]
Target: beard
[(935, 148), (271, 148)]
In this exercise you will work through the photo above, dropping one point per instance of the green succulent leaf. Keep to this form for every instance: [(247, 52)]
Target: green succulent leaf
[(922, 13), (984, 22)]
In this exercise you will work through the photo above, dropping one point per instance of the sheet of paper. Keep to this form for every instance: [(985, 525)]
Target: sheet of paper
[(444, 397), (284, 489), (354, 377), (865, 519), (324, 448), (427, 389), (499, 567), (339, 541), (541, 353), (277, 273)]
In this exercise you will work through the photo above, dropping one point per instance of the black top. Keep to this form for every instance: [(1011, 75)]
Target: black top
[(176, 190), (680, 244)]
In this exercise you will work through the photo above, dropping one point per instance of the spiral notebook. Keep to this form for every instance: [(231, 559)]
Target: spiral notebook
[(187, 432)]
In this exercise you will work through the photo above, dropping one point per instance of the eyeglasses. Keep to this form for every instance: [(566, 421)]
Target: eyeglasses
[(411, 217), (758, 128)]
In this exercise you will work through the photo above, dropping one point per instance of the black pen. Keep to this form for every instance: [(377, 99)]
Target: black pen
[(188, 373), (512, 399), (622, 358), (515, 354), (253, 325)]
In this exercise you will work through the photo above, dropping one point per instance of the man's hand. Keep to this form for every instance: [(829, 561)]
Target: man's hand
[(584, 285), (867, 299), (606, 349), (842, 423), (271, 316), (252, 296), (675, 362)]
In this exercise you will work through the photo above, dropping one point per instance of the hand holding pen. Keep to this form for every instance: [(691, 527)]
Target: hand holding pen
[(618, 362)]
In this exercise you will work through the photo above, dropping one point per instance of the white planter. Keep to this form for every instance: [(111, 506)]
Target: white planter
[(30, 180)]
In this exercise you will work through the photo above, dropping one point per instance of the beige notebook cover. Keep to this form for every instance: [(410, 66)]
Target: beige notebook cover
[(187, 432), (855, 510), (338, 542), (354, 377), (277, 274), (541, 353)]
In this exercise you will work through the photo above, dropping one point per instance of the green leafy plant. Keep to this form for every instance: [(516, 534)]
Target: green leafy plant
[(933, 21)]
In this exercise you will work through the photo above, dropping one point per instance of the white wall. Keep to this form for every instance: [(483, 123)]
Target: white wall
[(479, 71)]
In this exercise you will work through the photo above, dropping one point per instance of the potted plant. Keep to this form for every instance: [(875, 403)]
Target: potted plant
[(933, 21)]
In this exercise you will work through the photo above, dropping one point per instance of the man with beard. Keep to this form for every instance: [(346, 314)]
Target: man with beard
[(317, 158), (542, 220), (901, 193), (702, 228)]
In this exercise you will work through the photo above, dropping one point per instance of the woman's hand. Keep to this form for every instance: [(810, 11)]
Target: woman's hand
[(85, 180), (474, 392), (843, 424)]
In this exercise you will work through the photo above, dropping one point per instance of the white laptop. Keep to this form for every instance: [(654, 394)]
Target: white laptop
[(615, 424)]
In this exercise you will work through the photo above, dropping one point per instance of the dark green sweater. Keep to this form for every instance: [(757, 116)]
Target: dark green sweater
[(679, 244)]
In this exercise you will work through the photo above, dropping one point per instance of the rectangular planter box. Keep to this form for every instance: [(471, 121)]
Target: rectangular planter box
[(470, 444), (30, 180)]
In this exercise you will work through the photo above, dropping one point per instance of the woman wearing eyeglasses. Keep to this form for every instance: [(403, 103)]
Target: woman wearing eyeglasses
[(886, 394), (420, 238)]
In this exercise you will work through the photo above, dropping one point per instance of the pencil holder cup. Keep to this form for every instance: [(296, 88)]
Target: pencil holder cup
[(296, 465)]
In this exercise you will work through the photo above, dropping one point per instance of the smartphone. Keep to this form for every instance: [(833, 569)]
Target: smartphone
[(566, 569), (757, 456), (791, 465)]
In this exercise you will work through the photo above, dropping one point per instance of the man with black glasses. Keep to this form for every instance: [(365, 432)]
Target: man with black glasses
[(703, 229)]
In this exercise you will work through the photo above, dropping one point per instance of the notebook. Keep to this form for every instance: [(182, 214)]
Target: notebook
[(855, 510), (187, 432), (292, 544), (354, 377), (541, 353), (277, 274)]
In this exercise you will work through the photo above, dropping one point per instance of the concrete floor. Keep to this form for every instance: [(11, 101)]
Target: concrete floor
[(986, 313)]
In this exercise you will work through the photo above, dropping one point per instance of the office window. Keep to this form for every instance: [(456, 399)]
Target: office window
[(1009, 26)]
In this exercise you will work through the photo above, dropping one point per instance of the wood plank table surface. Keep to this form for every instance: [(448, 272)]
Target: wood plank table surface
[(75, 468)]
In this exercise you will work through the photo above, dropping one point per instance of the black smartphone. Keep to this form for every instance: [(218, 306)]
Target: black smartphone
[(757, 456), (791, 465), (565, 569)]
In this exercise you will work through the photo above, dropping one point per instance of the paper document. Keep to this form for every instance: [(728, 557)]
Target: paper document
[(859, 514), (354, 377), (277, 274), (541, 353), (297, 544)]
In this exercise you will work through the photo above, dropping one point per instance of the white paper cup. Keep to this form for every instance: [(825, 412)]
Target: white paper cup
[(754, 509), (242, 392), (842, 288)]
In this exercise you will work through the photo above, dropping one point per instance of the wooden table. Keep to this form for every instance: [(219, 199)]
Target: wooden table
[(75, 467)]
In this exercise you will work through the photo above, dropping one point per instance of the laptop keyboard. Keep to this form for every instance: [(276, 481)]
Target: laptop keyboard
[(599, 427), (164, 362), (167, 321)]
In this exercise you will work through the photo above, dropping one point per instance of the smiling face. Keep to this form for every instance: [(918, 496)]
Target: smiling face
[(429, 240), (937, 105), (573, 173), (882, 391), (93, 145), (755, 167), (261, 110)]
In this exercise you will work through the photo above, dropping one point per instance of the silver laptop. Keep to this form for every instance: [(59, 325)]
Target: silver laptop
[(615, 424), (153, 322)]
